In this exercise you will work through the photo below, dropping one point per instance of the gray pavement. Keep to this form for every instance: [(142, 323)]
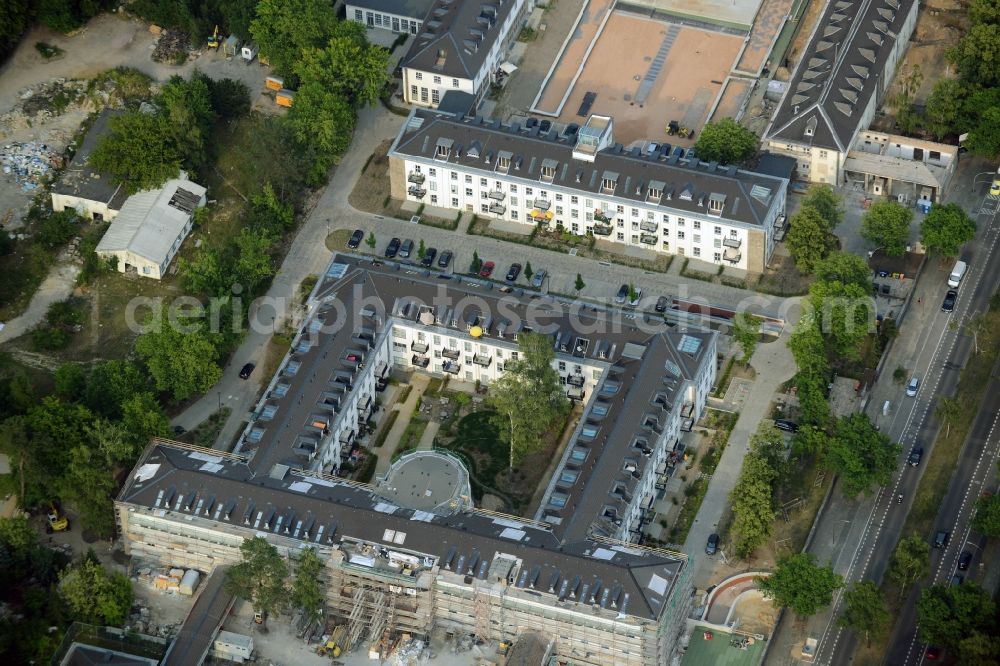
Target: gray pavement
[(775, 365)]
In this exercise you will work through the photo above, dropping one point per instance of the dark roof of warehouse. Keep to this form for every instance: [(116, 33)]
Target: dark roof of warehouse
[(82, 180)]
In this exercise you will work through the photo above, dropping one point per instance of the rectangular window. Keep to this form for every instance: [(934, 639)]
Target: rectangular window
[(718, 230), (513, 189), (414, 91), (433, 172), (454, 83), (484, 208), (513, 201), (419, 75), (482, 182), (559, 210), (697, 252), (697, 224), (558, 197), (468, 179), (359, 16), (437, 79), (529, 191), (435, 96), (697, 238), (513, 214), (717, 257), (434, 199), (680, 235), (454, 202), (575, 200), (423, 95), (680, 221)]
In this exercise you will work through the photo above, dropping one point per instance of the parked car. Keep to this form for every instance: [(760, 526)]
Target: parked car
[(949, 301), (964, 560), (538, 278), (932, 653), (513, 272), (995, 187), (356, 239), (786, 425), (913, 387), (445, 259), (622, 294), (487, 269), (406, 249), (941, 538), (634, 302), (913, 460), (246, 370), (179, 430), (429, 255), (392, 248), (957, 579), (712, 546), (662, 303)]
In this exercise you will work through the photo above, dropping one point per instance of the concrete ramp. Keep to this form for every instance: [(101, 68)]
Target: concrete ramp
[(202, 624)]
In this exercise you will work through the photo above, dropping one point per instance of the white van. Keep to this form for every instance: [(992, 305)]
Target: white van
[(957, 273)]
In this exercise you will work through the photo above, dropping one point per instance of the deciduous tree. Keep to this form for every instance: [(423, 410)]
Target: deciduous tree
[(529, 397), (94, 595), (862, 456), (977, 53), (87, 482), (886, 225), (324, 121), (752, 496), (948, 409), (864, 611), (845, 268), (181, 362), (800, 584), (307, 591), (845, 314), (948, 615), (138, 151), (282, 29), (827, 203), (909, 561), (809, 239), (946, 229), (746, 333), (987, 519), (726, 142), (259, 577), (110, 384)]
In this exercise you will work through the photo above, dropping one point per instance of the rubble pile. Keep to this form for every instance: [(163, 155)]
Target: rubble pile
[(171, 47), (28, 163)]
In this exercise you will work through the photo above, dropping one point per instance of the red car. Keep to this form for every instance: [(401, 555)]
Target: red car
[(487, 269), (932, 653)]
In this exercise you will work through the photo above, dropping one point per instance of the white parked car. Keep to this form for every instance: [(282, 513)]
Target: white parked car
[(911, 388)]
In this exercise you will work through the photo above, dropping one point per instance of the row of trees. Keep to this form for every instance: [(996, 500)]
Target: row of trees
[(261, 577), (944, 230), (752, 498)]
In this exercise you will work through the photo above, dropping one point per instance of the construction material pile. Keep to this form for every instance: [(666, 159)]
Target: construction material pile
[(171, 47)]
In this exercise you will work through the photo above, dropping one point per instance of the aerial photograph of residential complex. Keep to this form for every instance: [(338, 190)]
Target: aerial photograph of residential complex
[(499, 332)]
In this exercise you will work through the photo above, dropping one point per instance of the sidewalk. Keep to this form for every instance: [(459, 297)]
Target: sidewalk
[(775, 365)]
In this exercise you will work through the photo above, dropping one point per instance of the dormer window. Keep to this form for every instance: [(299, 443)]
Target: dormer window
[(716, 202), (609, 181), (503, 161), (549, 170), (687, 193), (655, 191), (443, 149)]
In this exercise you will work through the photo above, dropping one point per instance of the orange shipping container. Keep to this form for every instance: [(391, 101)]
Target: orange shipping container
[(285, 97), (274, 83)]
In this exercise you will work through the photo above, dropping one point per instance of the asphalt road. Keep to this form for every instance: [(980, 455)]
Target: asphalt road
[(945, 352)]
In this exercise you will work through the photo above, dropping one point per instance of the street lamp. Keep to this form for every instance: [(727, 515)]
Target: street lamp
[(220, 401)]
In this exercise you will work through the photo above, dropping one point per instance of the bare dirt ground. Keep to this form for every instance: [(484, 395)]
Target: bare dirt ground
[(769, 21), (106, 42), (809, 18), (691, 77)]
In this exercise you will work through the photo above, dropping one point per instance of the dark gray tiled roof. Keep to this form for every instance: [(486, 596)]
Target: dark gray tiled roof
[(476, 143), (90, 655), (81, 180), (464, 30), (839, 72), (416, 9), (194, 484)]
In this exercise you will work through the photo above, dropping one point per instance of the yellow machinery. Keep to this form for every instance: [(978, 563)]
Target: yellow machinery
[(214, 41), (332, 646), (57, 521)]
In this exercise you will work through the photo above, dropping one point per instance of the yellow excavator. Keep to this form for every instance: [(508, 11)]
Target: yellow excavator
[(57, 522), (214, 41)]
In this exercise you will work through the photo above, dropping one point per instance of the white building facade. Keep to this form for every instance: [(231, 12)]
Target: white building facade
[(725, 217)]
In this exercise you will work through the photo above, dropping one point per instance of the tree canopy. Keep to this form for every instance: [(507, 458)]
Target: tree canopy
[(182, 359), (909, 561), (751, 499), (826, 202), (845, 268), (138, 151), (259, 576), (307, 590), (809, 239), (987, 519), (860, 455), (746, 333), (529, 396), (800, 584), (94, 595), (844, 313), (945, 229), (886, 225), (864, 610), (946, 616), (282, 29), (726, 142)]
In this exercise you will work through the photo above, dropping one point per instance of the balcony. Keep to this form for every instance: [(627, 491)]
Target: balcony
[(732, 242), (647, 239), (497, 195), (732, 255), (451, 368), (483, 360), (599, 216), (575, 393), (417, 178), (497, 209), (417, 192), (420, 361), (602, 229), (649, 225), (541, 216), (419, 347), (541, 204), (453, 354), (575, 380), (687, 410)]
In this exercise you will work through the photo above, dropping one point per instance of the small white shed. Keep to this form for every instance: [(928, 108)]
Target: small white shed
[(234, 647), (249, 52), (189, 583)]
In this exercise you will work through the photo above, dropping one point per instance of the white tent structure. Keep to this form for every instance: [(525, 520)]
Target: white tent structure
[(151, 226)]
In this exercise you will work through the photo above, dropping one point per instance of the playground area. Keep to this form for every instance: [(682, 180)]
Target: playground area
[(669, 72)]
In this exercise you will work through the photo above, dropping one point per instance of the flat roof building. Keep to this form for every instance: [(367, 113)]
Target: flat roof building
[(147, 233), (399, 16), (392, 565), (580, 180)]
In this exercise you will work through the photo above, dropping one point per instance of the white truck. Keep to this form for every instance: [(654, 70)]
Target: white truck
[(957, 273)]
